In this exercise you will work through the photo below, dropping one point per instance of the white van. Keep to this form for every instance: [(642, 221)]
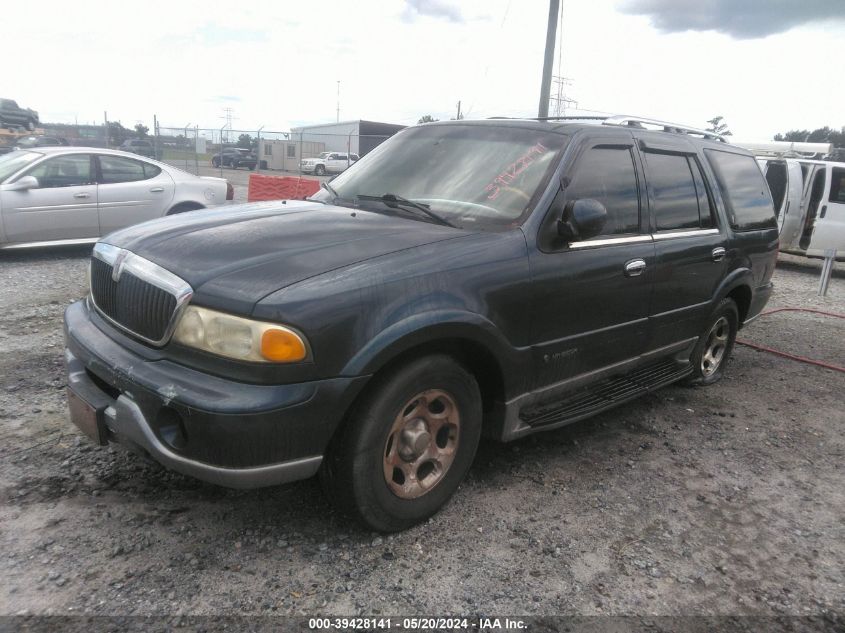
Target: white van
[(809, 198)]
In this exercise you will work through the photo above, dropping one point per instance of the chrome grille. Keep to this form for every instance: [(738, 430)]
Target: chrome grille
[(135, 294)]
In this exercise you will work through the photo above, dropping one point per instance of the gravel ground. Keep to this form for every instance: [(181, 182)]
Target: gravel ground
[(719, 500)]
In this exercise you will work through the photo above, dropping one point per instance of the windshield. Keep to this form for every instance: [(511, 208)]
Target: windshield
[(325, 154), (471, 175), (12, 162)]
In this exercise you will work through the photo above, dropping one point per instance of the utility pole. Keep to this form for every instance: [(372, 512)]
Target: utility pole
[(106, 122), (338, 101), (561, 101), (227, 114), (546, 85), (458, 117)]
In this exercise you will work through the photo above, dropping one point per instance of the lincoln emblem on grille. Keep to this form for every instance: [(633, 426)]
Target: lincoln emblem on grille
[(117, 267), (136, 294)]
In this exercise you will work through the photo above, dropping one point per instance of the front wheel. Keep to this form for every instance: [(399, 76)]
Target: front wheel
[(215, 163), (30, 125), (319, 170), (714, 347), (407, 445)]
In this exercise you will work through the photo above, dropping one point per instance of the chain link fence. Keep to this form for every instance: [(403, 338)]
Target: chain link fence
[(209, 151), (199, 150)]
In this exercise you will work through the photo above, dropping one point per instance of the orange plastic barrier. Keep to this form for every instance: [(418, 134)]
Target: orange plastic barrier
[(280, 188)]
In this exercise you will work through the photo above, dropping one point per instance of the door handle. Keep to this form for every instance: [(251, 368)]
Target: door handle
[(82, 195), (634, 268), (824, 211), (156, 189), (718, 254)]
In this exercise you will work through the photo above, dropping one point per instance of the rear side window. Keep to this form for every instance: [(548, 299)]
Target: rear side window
[(114, 169), (837, 185), (607, 174), (673, 191), (745, 191)]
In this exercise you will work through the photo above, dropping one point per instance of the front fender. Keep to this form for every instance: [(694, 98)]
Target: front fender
[(437, 326)]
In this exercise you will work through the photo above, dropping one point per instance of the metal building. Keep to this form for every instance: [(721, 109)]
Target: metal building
[(356, 137)]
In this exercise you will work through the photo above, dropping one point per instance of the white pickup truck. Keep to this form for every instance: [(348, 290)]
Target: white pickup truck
[(328, 163)]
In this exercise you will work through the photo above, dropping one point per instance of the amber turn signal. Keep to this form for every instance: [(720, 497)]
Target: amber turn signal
[(282, 345)]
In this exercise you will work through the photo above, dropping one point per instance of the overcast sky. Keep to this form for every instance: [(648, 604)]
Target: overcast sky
[(766, 66)]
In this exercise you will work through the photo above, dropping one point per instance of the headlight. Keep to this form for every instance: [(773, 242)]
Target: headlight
[(236, 337)]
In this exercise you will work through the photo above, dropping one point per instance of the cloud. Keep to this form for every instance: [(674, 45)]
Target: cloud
[(741, 19), (214, 34), (432, 8)]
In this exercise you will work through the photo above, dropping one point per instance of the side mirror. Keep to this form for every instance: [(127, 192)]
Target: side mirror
[(23, 184), (582, 219)]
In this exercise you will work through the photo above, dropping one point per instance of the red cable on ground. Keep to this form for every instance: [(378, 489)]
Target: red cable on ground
[(801, 359)]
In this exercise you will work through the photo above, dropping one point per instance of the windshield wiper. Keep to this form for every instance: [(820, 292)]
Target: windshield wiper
[(336, 199), (394, 202), (329, 188)]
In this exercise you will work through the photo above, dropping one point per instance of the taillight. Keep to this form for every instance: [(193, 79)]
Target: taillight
[(230, 191)]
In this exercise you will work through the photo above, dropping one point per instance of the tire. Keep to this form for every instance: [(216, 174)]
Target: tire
[(215, 163), (30, 125), (364, 473), (184, 206), (320, 170), (714, 347)]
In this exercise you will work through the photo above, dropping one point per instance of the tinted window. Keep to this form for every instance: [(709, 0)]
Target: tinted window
[(706, 208), (63, 171), (837, 185), (745, 191), (118, 169), (673, 191), (608, 175), (291, 151)]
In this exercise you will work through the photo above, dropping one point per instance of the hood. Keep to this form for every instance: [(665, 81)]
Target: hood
[(235, 256)]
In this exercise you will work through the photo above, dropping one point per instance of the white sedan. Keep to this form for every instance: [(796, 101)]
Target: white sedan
[(74, 195)]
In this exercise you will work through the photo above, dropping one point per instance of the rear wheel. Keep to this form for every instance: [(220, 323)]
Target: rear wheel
[(407, 445), (185, 206), (714, 347)]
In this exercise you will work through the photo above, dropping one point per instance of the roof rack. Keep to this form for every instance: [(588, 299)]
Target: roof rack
[(635, 122), (640, 122)]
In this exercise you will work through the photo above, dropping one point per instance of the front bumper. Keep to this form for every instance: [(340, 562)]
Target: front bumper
[(308, 169), (225, 432)]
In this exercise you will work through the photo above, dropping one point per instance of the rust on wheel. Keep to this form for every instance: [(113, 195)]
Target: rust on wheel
[(422, 443)]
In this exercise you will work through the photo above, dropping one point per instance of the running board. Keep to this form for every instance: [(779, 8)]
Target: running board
[(606, 394)]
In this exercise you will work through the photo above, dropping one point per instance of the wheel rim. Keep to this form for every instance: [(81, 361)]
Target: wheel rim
[(422, 444), (715, 346)]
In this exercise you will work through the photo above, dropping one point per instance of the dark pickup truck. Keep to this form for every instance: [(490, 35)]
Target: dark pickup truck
[(497, 277), (11, 115)]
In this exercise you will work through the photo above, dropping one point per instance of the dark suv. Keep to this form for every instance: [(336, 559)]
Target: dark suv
[(499, 277), (235, 157)]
